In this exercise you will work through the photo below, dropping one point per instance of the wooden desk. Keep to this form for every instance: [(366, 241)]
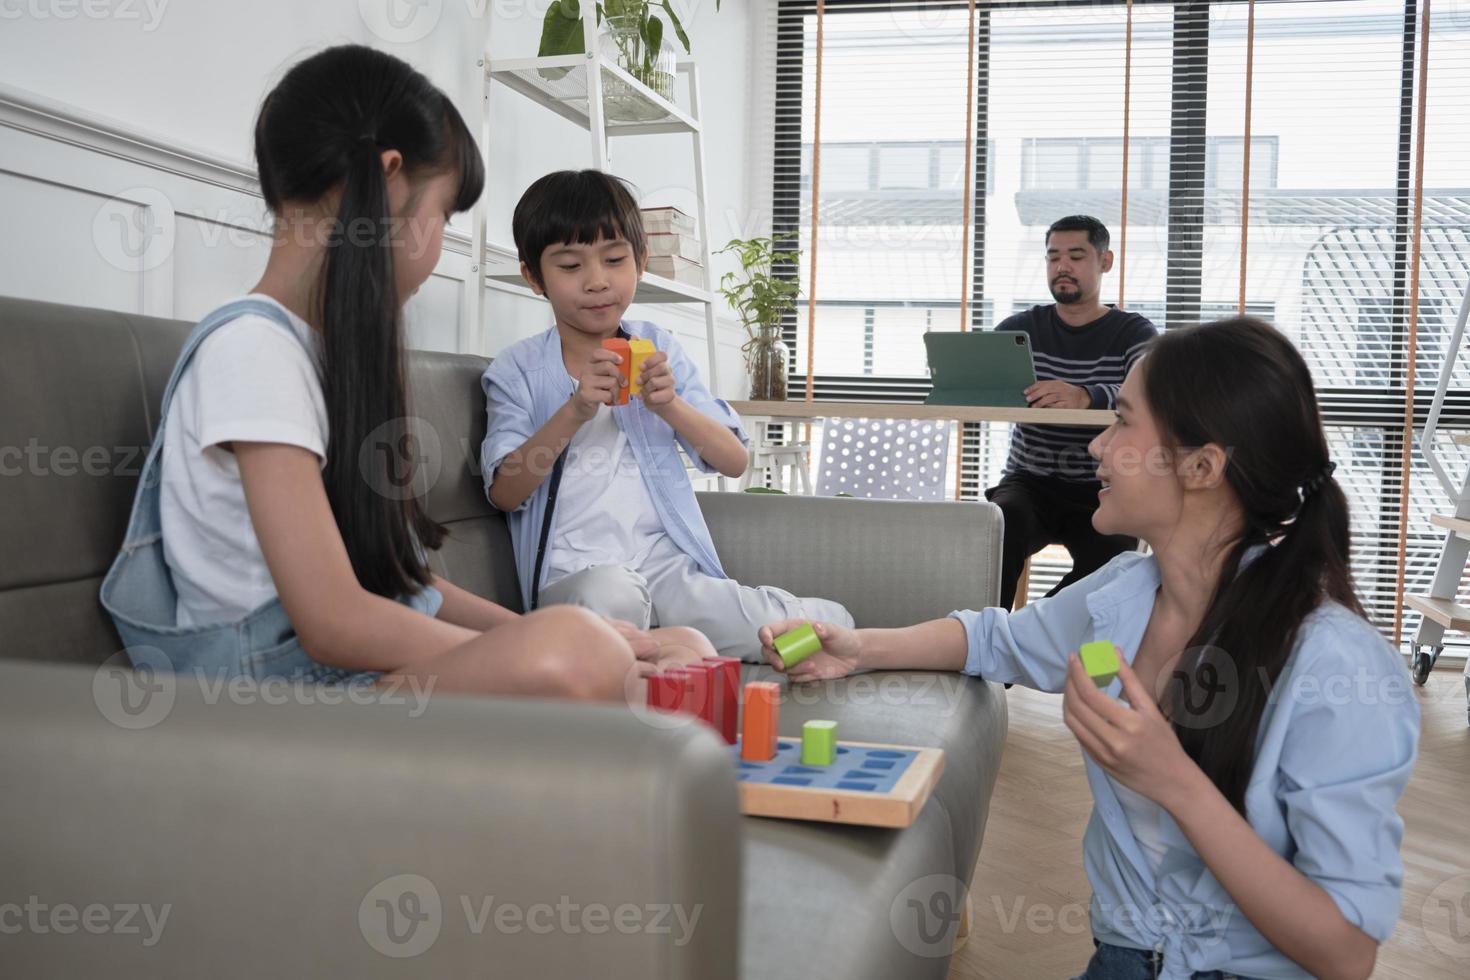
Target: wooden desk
[(803, 410)]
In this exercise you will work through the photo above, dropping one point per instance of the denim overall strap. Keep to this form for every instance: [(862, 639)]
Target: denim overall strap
[(138, 591), (225, 314)]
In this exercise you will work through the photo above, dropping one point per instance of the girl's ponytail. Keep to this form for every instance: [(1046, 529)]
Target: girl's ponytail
[(324, 129), (1241, 385)]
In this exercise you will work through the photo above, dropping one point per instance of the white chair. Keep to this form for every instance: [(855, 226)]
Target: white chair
[(886, 459), (794, 458)]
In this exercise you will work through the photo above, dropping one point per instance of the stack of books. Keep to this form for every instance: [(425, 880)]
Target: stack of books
[(673, 250)]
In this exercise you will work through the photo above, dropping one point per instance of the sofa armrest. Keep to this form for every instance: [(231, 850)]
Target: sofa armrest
[(890, 562), (547, 839)]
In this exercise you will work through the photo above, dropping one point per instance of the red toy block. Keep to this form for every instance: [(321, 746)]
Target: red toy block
[(666, 690), (726, 696), (701, 682), (623, 349), (762, 718)]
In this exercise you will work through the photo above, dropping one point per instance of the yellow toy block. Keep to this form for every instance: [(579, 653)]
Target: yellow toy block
[(640, 351)]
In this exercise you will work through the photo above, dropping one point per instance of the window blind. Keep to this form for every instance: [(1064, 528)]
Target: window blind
[(1324, 250)]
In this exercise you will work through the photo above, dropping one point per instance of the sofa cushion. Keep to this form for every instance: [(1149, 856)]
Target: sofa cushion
[(822, 546), (79, 390), (818, 900), (445, 394)]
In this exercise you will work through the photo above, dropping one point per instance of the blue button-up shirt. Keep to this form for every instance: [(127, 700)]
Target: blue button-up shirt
[(1334, 751), (528, 382)]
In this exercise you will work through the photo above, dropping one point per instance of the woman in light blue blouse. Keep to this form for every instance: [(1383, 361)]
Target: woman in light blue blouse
[(1246, 764)]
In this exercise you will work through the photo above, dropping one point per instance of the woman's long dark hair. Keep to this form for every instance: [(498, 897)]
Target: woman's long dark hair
[(1241, 385), (324, 128)]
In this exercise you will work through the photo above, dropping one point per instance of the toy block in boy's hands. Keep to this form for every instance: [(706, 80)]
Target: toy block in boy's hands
[(1100, 660), (726, 696), (762, 717), (796, 645), (620, 347), (819, 743), (641, 350)]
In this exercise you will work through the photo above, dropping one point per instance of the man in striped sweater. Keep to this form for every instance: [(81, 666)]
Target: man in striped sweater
[(1082, 350)]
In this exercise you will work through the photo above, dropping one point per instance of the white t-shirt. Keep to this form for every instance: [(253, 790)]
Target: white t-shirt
[(250, 381), (1144, 817), (604, 515)]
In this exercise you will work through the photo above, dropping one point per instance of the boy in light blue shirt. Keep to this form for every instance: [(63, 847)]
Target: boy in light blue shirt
[(601, 510)]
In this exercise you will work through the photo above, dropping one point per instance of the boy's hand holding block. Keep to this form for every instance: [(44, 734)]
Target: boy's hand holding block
[(640, 351), (1100, 660), (621, 347), (797, 645)]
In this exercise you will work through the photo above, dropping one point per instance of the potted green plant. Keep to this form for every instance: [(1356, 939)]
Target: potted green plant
[(635, 40), (761, 299)]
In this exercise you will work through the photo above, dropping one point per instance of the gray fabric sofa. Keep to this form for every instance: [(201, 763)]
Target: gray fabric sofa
[(539, 839)]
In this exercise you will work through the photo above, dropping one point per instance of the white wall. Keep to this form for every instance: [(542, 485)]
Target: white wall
[(119, 119)]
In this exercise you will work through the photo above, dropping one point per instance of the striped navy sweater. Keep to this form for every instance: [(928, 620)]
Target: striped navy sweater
[(1096, 356)]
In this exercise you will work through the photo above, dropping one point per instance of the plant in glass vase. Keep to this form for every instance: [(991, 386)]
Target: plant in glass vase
[(761, 299), (634, 40)]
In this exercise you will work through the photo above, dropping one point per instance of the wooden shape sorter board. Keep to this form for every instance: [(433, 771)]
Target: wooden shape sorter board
[(871, 784)]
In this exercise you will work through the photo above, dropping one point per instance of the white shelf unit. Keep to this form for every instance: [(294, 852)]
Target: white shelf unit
[(572, 86)]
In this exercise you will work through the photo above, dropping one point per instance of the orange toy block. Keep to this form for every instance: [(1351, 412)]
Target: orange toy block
[(761, 719), (621, 347), (642, 351)]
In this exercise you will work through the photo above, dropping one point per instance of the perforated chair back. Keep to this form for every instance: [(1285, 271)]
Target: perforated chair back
[(885, 459)]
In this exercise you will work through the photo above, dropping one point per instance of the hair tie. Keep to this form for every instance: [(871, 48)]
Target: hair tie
[(1319, 481)]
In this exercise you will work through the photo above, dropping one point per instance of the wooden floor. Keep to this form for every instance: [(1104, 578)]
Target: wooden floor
[(1028, 901)]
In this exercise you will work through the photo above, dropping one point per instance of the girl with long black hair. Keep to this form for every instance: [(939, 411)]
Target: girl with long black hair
[(1245, 782), (269, 537)]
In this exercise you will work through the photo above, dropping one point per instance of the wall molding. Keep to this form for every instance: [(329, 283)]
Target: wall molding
[(29, 112), (204, 175)]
